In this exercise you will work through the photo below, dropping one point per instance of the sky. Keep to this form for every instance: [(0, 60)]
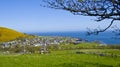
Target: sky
[(29, 16)]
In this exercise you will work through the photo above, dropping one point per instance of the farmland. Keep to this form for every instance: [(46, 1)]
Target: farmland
[(64, 58)]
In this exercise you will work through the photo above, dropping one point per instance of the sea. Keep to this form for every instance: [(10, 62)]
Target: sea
[(105, 37)]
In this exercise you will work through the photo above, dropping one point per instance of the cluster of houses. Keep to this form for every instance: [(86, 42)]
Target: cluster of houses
[(40, 41)]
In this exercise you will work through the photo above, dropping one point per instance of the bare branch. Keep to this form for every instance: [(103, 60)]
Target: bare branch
[(97, 31), (102, 9)]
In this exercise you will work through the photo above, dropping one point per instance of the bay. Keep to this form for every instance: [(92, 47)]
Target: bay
[(106, 37)]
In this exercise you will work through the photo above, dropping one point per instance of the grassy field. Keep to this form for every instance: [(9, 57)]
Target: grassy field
[(62, 58)]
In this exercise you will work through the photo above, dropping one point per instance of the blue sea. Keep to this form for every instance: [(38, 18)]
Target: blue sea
[(106, 37)]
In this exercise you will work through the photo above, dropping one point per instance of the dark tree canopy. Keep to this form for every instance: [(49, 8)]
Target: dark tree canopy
[(102, 9)]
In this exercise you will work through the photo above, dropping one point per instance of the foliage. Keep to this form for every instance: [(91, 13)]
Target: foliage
[(22, 49), (54, 47), (9, 34)]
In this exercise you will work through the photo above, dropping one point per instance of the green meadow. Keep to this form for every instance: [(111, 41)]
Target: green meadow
[(65, 55), (63, 58)]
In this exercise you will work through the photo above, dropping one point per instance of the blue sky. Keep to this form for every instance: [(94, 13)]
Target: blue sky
[(29, 16)]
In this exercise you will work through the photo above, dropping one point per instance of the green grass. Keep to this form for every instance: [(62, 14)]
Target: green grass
[(108, 51), (84, 45), (63, 58)]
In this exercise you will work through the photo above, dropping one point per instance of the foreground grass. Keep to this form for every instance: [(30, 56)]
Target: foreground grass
[(64, 58)]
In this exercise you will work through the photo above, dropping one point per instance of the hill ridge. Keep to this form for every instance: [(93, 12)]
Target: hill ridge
[(7, 34)]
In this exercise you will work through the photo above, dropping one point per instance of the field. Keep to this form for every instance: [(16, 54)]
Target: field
[(64, 58)]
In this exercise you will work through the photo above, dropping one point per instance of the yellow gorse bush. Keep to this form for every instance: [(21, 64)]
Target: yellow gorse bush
[(7, 34)]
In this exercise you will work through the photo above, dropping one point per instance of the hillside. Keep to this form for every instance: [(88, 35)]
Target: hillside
[(7, 34)]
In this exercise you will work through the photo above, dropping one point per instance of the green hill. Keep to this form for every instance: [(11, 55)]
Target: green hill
[(7, 34)]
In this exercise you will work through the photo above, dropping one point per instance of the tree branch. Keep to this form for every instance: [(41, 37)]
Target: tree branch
[(97, 31)]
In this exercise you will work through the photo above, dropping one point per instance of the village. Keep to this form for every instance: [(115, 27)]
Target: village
[(41, 41), (38, 42)]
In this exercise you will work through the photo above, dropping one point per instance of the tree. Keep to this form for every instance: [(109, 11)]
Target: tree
[(102, 9)]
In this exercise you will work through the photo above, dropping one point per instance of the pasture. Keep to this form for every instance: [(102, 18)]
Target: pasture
[(64, 58)]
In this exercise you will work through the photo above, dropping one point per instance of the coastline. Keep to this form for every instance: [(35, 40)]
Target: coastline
[(105, 38)]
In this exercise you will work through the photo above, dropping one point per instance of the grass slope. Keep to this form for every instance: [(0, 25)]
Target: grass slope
[(7, 34), (65, 58)]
